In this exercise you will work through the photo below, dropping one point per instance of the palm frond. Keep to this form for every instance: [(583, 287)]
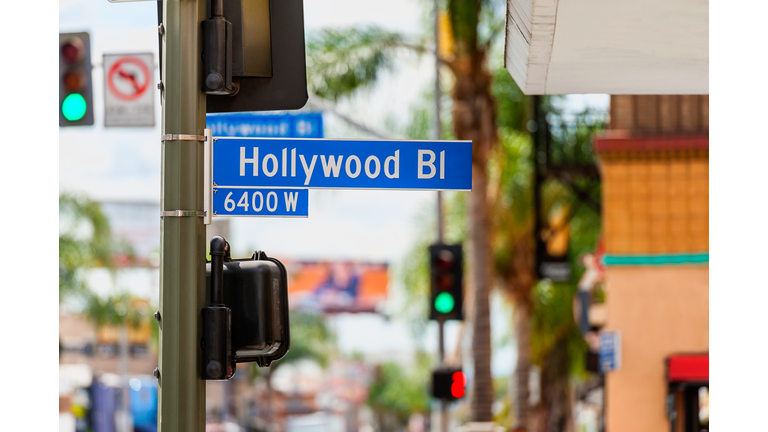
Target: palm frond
[(85, 241), (340, 61)]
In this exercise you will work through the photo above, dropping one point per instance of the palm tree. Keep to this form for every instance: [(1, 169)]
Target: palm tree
[(558, 347), (545, 334), (511, 201), (395, 393), (85, 241), (342, 61)]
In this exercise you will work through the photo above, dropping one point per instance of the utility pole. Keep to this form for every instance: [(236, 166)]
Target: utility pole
[(440, 215), (438, 123), (181, 396)]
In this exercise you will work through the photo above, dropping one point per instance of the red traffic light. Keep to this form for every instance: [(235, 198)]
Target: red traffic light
[(458, 384), (448, 383), (444, 260), (73, 50)]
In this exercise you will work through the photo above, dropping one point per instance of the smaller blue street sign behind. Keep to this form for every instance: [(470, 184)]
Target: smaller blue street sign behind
[(260, 202), (250, 125), (342, 164)]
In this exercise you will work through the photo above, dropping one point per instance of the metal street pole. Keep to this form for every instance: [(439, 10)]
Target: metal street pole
[(441, 356), (181, 396), (440, 216), (438, 124)]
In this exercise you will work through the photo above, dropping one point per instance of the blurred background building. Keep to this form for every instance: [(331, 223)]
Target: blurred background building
[(655, 175)]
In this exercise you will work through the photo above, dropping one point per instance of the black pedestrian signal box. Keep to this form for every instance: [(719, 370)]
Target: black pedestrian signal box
[(449, 384), (247, 316), (262, 55), (75, 87), (446, 276)]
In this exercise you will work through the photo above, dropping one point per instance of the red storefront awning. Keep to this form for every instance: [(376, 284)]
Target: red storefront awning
[(688, 368), (623, 141)]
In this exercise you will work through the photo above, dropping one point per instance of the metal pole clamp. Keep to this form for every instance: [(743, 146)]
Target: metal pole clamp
[(182, 137), (181, 213)]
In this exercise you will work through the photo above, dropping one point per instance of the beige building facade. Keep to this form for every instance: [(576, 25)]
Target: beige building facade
[(655, 174)]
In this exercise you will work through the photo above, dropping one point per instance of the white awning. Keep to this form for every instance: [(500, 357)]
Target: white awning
[(608, 46)]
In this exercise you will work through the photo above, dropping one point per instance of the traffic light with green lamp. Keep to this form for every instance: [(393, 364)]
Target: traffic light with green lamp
[(446, 275), (75, 88)]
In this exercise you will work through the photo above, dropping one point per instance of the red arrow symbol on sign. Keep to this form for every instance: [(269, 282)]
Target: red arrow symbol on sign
[(130, 77), (118, 69)]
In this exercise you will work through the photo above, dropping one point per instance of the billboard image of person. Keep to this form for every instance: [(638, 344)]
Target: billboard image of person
[(341, 286)]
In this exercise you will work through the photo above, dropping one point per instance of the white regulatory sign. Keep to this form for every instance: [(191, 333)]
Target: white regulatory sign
[(128, 96)]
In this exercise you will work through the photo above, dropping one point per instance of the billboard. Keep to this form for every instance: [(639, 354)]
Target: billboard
[(339, 286)]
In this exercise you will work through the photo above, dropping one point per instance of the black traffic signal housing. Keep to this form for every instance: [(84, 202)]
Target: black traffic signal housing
[(446, 275), (448, 384), (247, 316), (254, 57), (75, 87)]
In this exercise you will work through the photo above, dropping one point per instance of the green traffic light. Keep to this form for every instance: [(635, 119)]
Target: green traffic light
[(444, 302), (74, 107)]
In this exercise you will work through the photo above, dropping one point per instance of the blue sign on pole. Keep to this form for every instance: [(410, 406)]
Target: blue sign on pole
[(260, 202), (342, 164), (253, 125), (610, 351)]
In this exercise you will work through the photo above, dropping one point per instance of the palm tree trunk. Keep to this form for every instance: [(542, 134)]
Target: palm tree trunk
[(522, 320), (554, 412), (474, 118), (482, 391)]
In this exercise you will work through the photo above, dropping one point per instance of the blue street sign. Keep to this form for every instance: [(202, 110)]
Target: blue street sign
[(260, 202), (610, 351), (342, 164), (252, 125)]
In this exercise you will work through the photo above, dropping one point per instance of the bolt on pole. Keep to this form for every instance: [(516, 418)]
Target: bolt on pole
[(181, 396)]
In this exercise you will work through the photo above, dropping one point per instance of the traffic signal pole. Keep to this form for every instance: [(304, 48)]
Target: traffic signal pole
[(438, 123), (441, 359), (440, 216), (181, 396)]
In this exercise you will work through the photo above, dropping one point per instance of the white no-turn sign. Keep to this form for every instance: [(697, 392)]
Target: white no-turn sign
[(128, 96)]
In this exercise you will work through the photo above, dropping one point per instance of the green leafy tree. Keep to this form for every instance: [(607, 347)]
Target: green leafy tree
[(545, 332), (121, 310), (85, 241), (342, 61), (511, 203), (117, 310), (311, 339), (557, 347), (544, 328), (397, 393)]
